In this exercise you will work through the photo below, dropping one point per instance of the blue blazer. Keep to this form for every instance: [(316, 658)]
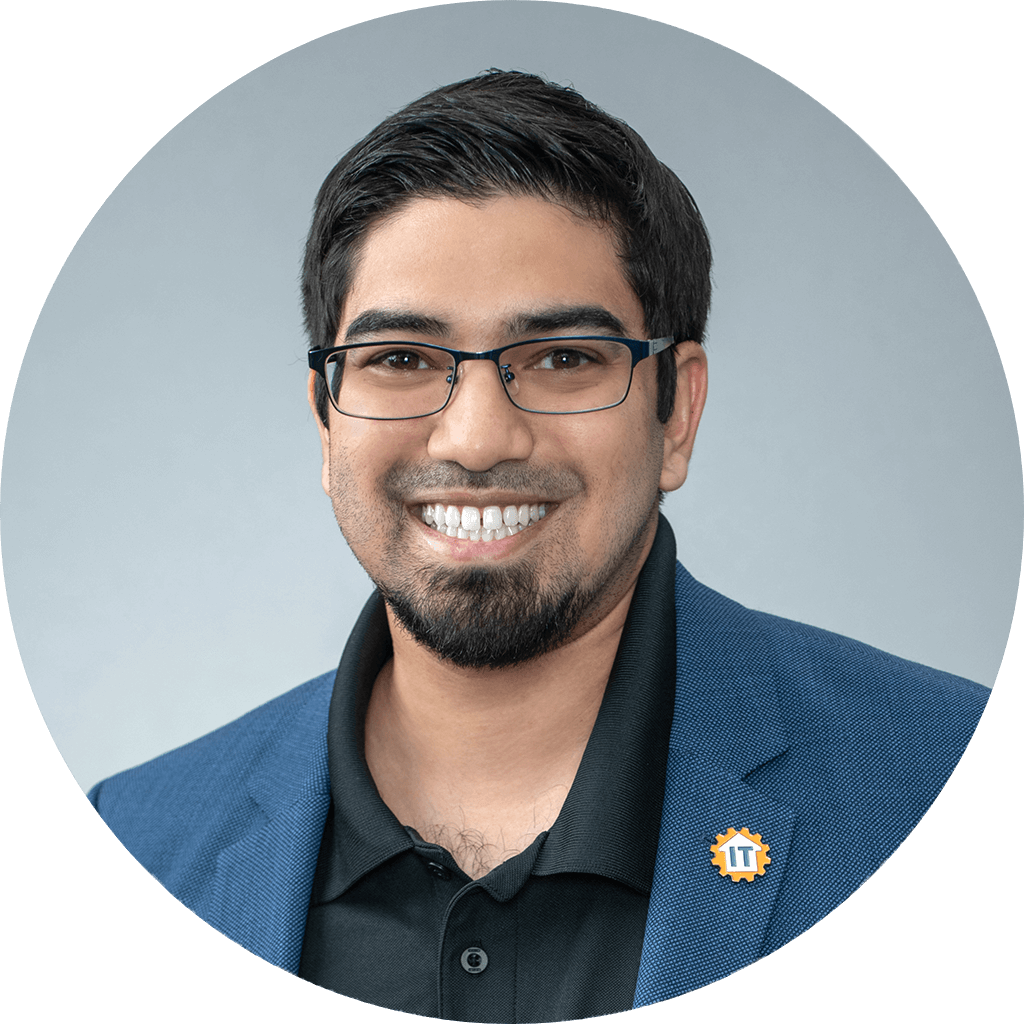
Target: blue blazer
[(828, 748)]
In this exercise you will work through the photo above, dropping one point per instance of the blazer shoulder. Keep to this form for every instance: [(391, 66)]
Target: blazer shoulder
[(214, 764), (823, 661), (890, 730), (178, 814), (830, 691)]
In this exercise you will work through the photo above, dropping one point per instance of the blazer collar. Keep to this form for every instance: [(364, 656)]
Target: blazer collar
[(727, 707)]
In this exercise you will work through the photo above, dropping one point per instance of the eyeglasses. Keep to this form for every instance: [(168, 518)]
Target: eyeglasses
[(399, 380)]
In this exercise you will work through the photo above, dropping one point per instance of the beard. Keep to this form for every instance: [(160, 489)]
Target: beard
[(494, 616), (477, 616), (488, 617)]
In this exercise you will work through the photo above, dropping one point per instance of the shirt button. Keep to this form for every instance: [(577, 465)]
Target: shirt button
[(474, 960), (438, 869)]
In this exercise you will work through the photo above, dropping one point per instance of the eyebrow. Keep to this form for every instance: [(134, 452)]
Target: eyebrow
[(523, 325), (563, 318), (376, 321)]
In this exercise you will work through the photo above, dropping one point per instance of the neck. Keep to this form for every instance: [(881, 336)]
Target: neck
[(481, 760)]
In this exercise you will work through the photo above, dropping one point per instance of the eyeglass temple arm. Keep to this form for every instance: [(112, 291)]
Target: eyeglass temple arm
[(660, 344)]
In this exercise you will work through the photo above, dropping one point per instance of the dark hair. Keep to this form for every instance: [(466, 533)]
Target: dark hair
[(507, 132)]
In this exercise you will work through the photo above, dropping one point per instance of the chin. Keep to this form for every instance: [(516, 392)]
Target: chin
[(495, 617)]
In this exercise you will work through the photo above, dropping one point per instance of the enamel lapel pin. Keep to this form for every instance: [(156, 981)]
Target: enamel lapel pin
[(740, 854)]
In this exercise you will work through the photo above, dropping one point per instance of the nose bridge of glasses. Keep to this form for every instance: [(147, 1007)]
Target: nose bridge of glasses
[(496, 356)]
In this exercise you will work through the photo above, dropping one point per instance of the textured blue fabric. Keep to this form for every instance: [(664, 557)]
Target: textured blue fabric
[(231, 824), (830, 749)]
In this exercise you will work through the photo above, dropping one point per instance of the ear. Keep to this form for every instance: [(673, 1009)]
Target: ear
[(325, 436), (681, 428)]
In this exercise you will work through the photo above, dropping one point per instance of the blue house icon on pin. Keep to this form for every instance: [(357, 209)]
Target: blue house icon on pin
[(740, 854)]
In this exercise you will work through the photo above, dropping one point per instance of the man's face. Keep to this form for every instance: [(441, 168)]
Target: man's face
[(478, 276)]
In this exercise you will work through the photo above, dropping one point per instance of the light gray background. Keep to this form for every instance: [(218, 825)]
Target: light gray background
[(170, 558)]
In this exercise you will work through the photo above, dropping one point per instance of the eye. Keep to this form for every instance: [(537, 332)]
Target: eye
[(564, 359), (399, 360)]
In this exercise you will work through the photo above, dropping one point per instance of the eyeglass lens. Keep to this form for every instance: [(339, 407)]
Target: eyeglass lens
[(397, 380)]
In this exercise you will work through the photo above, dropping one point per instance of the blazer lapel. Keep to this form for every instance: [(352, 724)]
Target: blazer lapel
[(263, 881), (702, 926)]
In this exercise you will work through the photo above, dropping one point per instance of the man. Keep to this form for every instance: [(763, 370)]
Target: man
[(553, 775)]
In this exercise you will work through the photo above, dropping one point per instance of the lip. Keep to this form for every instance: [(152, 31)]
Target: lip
[(467, 550), (499, 498)]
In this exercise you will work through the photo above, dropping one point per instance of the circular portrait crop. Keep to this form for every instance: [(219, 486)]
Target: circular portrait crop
[(512, 512)]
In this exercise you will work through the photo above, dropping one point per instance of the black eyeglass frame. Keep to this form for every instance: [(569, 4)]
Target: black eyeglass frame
[(317, 359)]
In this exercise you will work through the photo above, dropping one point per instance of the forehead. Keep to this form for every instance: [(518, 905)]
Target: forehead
[(478, 265)]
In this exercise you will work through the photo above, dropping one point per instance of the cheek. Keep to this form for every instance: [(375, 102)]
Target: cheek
[(362, 450), (348, 503), (648, 444), (620, 454), (361, 453), (637, 472)]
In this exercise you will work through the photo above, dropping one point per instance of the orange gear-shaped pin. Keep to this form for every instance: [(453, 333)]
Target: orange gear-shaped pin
[(740, 854)]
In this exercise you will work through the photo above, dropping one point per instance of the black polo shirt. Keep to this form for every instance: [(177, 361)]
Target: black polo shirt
[(553, 933)]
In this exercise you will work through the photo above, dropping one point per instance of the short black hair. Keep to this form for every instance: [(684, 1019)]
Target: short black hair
[(512, 133)]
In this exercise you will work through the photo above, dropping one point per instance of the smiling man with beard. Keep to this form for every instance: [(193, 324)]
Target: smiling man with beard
[(553, 776)]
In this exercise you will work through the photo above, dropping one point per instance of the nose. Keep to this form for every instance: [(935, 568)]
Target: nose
[(480, 427)]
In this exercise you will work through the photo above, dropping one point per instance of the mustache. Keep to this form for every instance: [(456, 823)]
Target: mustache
[(405, 479)]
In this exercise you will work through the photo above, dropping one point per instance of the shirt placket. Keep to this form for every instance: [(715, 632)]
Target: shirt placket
[(477, 958)]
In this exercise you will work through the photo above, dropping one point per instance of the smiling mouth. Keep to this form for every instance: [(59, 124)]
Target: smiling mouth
[(489, 523)]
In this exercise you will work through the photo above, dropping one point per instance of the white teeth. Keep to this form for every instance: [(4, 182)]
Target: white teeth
[(475, 524)]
